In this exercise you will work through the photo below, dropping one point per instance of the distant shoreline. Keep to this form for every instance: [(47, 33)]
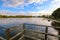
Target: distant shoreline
[(19, 16)]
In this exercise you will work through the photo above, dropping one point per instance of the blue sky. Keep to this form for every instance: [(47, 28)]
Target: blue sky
[(31, 7)]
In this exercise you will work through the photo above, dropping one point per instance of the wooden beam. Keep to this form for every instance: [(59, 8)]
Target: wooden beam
[(21, 37), (17, 34), (8, 34), (2, 38)]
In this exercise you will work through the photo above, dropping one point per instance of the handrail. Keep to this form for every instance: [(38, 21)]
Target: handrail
[(42, 25), (21, 37), (24, 29), (45, 33), (17, 34), (46, 30), (2, 38)]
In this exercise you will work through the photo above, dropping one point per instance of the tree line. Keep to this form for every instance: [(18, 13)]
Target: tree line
[(17, 16)]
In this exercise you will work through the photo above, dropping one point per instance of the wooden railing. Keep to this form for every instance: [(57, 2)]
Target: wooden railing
[(18, 35), (46, 31), (23, 32)]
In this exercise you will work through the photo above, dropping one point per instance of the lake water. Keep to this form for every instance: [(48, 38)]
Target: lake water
[(10, 22), (14, 21)]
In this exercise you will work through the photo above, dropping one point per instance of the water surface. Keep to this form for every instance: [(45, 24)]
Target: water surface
[(10, 22)]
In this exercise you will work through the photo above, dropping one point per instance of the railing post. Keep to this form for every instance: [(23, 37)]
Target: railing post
[(24, 26), (8, 34), (46, 31), (24, 29), (59, 34)]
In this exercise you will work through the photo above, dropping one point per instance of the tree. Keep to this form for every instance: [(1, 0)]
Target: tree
[(43, 16), (56, 13)]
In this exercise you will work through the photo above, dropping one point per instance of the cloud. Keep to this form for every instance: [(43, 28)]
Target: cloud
[(21, 3), (55, 1), (14, 3), (5, 12), (37, 1), (55, 4)]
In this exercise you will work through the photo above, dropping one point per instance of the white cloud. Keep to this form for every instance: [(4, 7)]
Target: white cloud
[(45, 12), (5, 12), (55, 4), (13, 3), (37, 1), (55, 1)]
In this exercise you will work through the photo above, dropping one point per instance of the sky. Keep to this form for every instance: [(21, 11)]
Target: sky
[(28, 7)]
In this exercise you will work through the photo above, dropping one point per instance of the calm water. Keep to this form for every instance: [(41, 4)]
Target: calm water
[(10, 22), (14, 21)]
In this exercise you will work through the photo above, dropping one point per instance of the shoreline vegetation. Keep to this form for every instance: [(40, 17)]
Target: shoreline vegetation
[(18, 16), (24, 16)]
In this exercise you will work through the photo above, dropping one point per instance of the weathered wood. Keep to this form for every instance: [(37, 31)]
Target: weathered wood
[(8, 34), (24, 26), (21, 37), (46, 31), (24, 30), (2, 38), (17, 34), (32, 37), (59, 34)]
